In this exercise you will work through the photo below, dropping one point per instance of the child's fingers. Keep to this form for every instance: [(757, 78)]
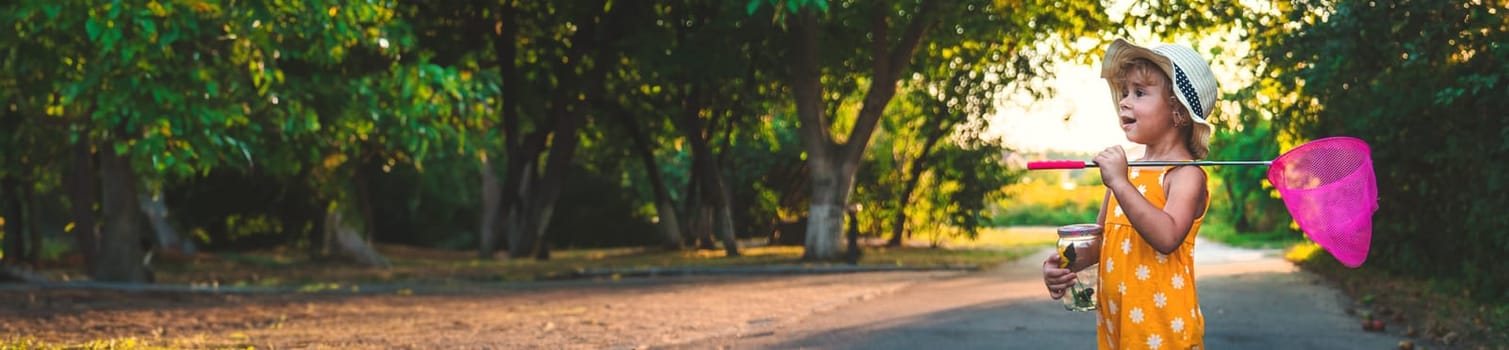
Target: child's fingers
[(1056, 279), (1060, 282)]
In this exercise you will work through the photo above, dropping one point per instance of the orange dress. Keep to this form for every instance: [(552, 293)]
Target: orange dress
[(1147, 300)]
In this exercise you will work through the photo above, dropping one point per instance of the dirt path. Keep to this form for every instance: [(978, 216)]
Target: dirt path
[(1252, 299), (622, 314)]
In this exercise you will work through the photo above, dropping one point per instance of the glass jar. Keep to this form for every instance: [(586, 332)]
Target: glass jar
[(1078, 248)]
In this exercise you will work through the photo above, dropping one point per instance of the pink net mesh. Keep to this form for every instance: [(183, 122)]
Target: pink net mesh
[(1329, 188)]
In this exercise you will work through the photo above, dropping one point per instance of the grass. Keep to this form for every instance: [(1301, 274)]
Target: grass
[(1224, 233), (27, 343), (413, 265)]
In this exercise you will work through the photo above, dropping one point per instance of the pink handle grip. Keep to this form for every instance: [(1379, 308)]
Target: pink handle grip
[(1056, 164)]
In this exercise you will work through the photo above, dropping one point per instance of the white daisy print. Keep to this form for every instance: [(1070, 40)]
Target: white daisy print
[(1126, 244), (1110, 264), (1162, 176), (1191, 313), (1112, 305), (1177, 325), (1160, 300), (1162, 258), (1136, 315), (1142, 189), (1178, 281), (1122, 287), (1133, 175), (1118, 210), (1110, 328), (1143, 273), (1154, 341)]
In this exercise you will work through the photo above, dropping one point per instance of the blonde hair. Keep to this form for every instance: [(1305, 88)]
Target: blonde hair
[(1145, 72)]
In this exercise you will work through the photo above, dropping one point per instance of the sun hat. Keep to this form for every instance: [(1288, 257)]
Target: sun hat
[(1194, 84)]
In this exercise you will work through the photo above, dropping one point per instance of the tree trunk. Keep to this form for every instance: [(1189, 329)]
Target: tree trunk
[(919, 166), (825, 217), (665, 211), (29, 210), (825, 208), (725, 221), (15, 221), (156, 211), (725, 198), (529, 215), (542, 205), (517, 195), (21, 243), (521, 150), (364, 201), (705, 225), (706, 168), (492, 194), (834, 165), (898, 229), (348, 239), (569, 113), (697, 215), (83, 192), (346, 229), (853, 254), (120, 254)]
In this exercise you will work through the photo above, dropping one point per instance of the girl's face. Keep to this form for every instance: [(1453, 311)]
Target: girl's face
[(1145, 111)]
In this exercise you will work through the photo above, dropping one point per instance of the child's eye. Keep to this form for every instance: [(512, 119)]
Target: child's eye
[(1140, 93)]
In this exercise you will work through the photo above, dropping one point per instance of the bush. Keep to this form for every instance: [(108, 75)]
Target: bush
[(1051, 198)]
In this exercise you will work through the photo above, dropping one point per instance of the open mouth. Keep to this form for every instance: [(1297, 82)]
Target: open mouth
[(1128, 121)]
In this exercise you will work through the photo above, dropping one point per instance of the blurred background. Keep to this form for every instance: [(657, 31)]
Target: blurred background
[(505, 129)]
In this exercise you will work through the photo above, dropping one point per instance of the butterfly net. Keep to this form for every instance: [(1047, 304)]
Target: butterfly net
[(1329, 187)]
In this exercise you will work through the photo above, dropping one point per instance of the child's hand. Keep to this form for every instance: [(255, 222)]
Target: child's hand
[(1057, 279), (1113, 165)]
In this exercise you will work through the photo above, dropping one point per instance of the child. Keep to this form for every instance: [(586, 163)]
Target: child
[(1163, 96)]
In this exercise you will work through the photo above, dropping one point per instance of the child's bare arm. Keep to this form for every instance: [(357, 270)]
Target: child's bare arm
[(1165, 229)]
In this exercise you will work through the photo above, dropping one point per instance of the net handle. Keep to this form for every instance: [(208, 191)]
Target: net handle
[(1080, 164)]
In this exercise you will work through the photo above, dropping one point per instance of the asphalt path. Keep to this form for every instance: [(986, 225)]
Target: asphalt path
[(1252, 299)]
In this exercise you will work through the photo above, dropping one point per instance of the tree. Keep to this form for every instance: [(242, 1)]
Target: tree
[(169, 91), (875, 42), (582, 36), (1422, 82), (125, 90), (957, 83), (714, 67)]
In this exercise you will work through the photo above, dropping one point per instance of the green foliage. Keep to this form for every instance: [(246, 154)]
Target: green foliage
[(1051, 198), (979, 172), (1423, 83), (1241, 195), (255, 117), (790, 5)]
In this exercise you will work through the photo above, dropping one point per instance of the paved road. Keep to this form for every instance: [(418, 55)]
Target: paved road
[(1252, 300)]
